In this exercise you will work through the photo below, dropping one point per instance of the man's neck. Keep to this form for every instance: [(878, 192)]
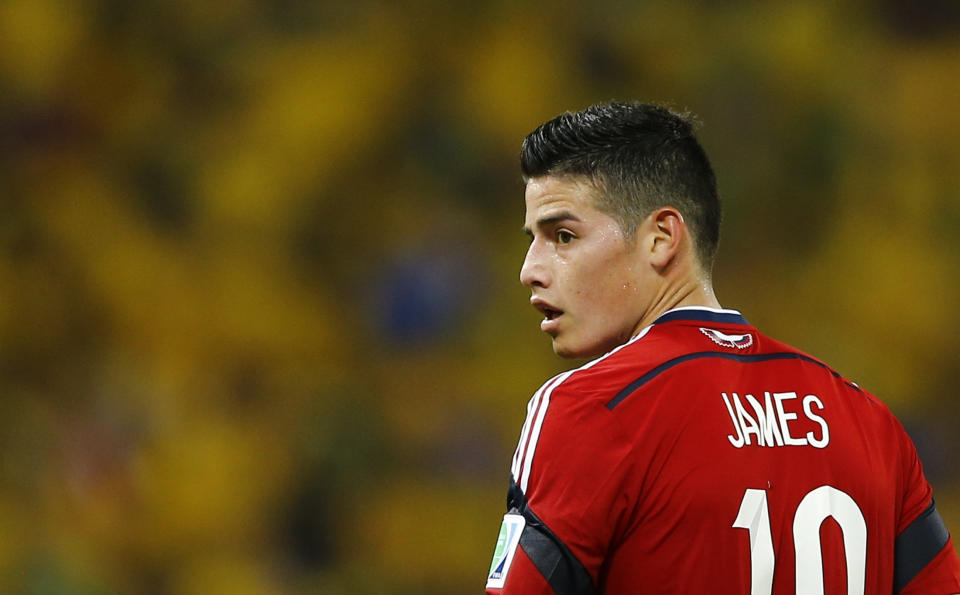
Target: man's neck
[(693, 292)]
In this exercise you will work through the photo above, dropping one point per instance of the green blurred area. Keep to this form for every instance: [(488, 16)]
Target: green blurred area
[(261, 327)]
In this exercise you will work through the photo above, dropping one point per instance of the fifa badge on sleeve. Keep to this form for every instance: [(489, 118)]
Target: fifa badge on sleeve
[(507, 543)]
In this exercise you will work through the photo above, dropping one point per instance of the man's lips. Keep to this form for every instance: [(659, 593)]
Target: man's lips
[(551, 314)]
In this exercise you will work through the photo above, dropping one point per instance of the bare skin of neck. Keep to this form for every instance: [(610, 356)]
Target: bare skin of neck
[(683, 284)]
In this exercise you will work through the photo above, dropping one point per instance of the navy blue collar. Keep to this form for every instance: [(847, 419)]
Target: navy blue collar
[(699, 314)]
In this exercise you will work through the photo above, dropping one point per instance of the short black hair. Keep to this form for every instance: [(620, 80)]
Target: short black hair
[(639, 157)]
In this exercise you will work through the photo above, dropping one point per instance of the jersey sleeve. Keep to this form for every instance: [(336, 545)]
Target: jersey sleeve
[(569, 485), (925, 560)]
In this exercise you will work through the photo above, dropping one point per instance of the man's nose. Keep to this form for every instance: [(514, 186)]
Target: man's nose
[(533, 273)]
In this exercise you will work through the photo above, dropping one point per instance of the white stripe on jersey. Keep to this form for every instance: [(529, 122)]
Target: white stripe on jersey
[(707, 308), (537, 411), (532, 406), (535, 434), (524, 432)]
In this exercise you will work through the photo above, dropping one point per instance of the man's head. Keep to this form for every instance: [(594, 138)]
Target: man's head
[(637, 157), (623, 215)]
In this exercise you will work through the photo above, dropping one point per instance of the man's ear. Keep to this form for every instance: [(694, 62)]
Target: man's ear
[(667, 232)]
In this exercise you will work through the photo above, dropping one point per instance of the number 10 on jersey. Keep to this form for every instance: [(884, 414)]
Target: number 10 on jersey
[(816, 506)]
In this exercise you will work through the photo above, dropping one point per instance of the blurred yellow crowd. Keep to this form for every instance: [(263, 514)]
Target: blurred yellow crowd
[(261, 327)]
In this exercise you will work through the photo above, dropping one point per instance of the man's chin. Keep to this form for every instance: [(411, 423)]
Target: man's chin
[(567, 350)]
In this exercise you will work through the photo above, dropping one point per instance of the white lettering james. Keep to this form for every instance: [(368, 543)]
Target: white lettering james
[(768, 423)]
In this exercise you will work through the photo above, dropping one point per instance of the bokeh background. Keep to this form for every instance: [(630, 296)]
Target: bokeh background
[(260, 324)]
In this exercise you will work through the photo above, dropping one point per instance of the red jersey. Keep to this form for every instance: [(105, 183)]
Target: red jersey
[(704, 457)]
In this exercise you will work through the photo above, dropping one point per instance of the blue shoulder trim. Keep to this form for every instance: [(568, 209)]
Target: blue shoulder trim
[(747, 358)]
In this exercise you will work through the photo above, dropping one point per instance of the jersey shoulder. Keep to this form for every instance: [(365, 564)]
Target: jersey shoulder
[(686, 348)]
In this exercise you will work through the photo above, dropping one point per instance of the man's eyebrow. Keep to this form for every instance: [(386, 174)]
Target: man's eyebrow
[(556, 218)]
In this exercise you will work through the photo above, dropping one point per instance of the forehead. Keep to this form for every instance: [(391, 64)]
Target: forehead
[(550, 193)]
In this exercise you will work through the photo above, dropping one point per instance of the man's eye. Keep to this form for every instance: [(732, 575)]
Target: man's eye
[(564, 237)]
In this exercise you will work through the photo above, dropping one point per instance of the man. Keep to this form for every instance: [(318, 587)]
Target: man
[(696, 455)]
